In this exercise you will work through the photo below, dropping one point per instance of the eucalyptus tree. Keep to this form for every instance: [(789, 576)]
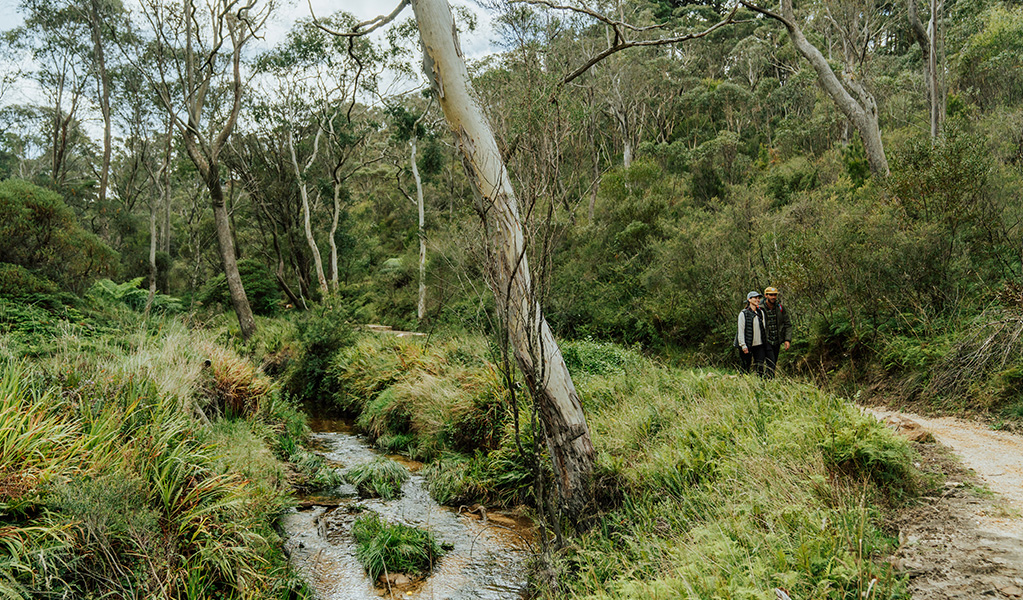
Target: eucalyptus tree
[(102, 16), (535, 349), (198, 54), (261, 159), (410, 127), (931, 42), (55, 36), (858, 26), (314, 81), (145, 161)]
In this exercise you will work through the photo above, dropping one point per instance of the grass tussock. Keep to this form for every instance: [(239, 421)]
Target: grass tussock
[(382, 478), (232, 386), (384, 547), (443, 396)]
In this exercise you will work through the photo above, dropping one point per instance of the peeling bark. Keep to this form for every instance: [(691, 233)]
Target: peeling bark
[(535, 349)]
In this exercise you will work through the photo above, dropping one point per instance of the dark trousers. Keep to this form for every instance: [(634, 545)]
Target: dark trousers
[(771, 359), (755, 359)]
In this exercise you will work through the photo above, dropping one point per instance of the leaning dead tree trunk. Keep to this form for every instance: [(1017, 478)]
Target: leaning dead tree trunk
[(928, 38), (848, 94), (536, 352)]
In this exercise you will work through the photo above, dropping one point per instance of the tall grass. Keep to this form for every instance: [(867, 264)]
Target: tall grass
[(709, 484), (118, 479)]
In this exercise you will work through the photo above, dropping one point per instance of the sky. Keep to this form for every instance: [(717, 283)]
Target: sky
[(475, 44)]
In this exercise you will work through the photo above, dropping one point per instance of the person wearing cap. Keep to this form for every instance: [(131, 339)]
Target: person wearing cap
[(751, 337), (778, 324)]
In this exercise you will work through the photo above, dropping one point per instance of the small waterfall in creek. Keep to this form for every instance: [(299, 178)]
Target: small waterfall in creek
[(487, 555)]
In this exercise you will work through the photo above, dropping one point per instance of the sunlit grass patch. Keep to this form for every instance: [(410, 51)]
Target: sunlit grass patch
[(384, 547)]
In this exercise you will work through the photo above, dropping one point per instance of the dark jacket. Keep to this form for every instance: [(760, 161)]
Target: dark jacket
[(778, 323)]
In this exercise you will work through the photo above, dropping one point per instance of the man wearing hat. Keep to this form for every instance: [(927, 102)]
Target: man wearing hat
[(751, 336), (778, 326)]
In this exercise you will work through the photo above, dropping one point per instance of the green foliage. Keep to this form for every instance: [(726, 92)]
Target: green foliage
[(41, 234), (860, 449), (596, 358), (132, 295), (989, 63), (260, 288), (381, 477), (321, 335), (384, 547), (18, 282)]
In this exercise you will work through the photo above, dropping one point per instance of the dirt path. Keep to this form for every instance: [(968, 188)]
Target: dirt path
[(963, 541)]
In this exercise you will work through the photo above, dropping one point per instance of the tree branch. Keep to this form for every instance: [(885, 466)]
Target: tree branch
[(621, 42), (373, 24)]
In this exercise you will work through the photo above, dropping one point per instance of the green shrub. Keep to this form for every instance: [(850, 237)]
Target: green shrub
[(381, 477), (130, 294), (322, 334), (41, 234), (596, 358), (16, 281), (863, 450), (384, 547), (260, 288)]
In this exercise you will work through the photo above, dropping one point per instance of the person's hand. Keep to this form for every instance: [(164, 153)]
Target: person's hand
[(786, 345), (745, 350)]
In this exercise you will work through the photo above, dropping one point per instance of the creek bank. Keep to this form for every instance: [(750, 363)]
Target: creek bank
[(487, 553)]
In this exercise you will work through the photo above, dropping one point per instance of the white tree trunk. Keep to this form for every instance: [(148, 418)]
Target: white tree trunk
[(860, 109), (303, 189), (421, 308), (929, 41), (335, 217), (536, 352)]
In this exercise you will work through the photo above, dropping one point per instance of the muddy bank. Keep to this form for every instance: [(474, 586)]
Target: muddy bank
[(487, 553)]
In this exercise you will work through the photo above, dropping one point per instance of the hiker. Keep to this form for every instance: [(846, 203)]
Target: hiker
[(751, 337), (778, 324)]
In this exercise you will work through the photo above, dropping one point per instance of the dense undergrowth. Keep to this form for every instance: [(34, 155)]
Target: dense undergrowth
[(141, 459), (709, 484)]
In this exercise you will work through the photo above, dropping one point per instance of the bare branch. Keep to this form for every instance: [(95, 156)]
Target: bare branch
[(373, 24), (621, 43), (588, 12)]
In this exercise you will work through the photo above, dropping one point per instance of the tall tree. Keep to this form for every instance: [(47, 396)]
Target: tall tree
[(199, 56), (929, 39), (536, 351), (101, 15), (849, 92), (54, 34)]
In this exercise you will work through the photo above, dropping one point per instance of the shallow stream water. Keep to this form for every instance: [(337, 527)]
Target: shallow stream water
[(487, 556)]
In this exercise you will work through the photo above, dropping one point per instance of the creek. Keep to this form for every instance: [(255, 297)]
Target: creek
[(487, 552)]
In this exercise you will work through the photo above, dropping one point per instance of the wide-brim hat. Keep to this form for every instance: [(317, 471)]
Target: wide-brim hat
[(753, 294)]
